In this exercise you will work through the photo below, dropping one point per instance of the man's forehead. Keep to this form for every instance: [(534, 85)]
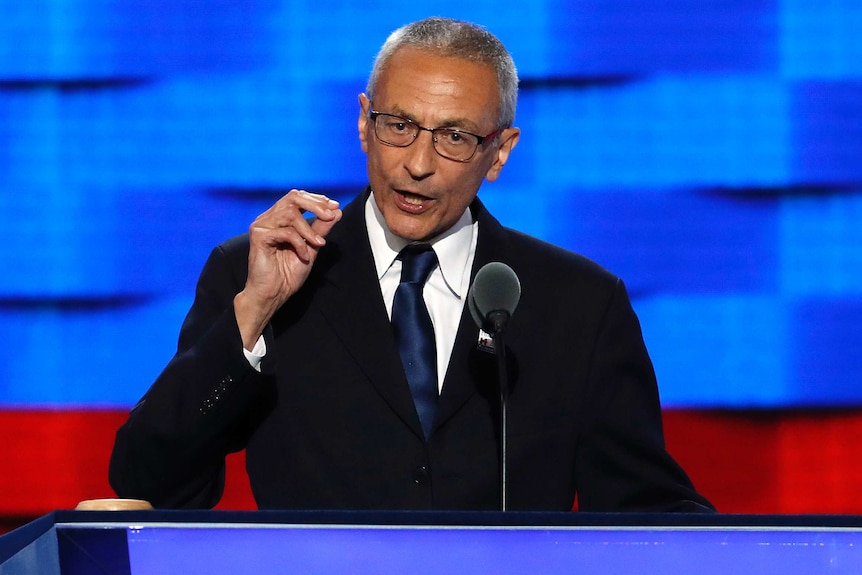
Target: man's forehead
[(424, 85)]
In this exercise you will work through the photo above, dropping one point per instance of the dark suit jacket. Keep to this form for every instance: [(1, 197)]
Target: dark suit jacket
[(330, 422)]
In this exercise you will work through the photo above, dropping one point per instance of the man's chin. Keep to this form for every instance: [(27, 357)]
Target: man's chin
[(410, 228)]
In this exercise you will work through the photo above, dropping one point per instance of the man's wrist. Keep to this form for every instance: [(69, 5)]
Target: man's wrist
[(250, 321), (257, 353)]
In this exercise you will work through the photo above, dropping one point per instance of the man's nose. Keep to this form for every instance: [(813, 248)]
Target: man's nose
[(421, 158)]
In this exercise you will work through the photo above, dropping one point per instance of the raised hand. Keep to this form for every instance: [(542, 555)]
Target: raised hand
[(283, 248)]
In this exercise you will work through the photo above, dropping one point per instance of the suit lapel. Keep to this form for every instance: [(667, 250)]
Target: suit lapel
[(472, 371), (349, 293), (351, 302)]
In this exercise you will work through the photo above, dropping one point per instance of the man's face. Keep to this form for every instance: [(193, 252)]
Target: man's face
[(420, 193)]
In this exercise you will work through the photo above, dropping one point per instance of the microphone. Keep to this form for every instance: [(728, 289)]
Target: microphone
[(493, 297), (492, 300)]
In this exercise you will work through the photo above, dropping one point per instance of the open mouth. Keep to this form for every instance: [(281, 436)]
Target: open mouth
[(414, 199), (412, 202)]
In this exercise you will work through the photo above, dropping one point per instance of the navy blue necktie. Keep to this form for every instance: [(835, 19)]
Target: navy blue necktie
[(414, 332)]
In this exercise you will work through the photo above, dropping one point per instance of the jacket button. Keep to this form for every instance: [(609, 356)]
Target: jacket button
[(420, 475)]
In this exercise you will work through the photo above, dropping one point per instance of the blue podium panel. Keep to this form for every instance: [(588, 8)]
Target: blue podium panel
[(502, 550), (415, 543)]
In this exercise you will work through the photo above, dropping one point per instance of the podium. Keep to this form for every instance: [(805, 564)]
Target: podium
[(429, 543)]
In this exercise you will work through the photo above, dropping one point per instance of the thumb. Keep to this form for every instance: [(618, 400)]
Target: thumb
[(323, 227)]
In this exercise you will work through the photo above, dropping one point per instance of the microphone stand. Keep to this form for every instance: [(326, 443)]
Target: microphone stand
[(497, 322)]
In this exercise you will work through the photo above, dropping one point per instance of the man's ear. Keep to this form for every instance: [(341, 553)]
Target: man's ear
[(364, 108), (508, 139)]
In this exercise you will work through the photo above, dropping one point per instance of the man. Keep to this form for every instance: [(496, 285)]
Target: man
[(292, 347)]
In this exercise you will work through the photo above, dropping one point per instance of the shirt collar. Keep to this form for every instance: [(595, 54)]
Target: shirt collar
[(452, 246)]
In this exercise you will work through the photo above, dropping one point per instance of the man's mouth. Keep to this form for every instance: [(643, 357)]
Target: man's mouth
[(412, 201)]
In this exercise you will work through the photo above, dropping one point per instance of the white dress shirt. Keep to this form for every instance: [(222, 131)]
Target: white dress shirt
[(446, 289)]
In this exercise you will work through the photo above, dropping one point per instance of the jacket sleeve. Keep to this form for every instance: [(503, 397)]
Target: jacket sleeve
[(171, 450), (622, 462)]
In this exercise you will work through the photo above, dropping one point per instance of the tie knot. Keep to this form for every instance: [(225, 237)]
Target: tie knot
[(417, 261)]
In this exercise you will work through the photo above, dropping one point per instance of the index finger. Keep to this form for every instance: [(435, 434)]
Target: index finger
[(321, 206)]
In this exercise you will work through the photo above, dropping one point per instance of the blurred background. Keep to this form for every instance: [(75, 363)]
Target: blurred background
[(710, 153)]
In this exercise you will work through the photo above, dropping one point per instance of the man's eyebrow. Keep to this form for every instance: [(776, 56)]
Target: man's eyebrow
[(396, 111), (459, 123)]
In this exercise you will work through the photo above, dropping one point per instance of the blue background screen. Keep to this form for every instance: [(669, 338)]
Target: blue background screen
[(709, 153)]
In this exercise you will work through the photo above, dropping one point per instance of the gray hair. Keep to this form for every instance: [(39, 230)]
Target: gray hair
[(457, 39)]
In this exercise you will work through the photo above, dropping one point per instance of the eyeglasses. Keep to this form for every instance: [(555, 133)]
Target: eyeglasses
[(450, 143)]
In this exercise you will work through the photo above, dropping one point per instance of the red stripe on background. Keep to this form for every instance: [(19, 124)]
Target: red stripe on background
[(745, 462), (772, 461), (54, 459)]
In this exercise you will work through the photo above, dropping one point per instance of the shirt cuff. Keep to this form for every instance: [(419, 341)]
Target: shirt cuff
[(257, 353)]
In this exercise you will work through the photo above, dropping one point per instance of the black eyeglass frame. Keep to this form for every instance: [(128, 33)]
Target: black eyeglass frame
[(373, 115)]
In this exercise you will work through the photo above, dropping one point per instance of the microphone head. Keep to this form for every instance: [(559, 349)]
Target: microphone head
[(496, 288)]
